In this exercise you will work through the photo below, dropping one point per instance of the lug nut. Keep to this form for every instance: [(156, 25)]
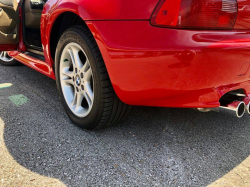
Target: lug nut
[(82, 87), (81, 75), (76, 70)]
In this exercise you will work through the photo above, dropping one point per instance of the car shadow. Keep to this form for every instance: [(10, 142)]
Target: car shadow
[(153, 146)]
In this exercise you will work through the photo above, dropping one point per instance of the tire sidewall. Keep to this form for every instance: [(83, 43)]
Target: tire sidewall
[(70, 36)]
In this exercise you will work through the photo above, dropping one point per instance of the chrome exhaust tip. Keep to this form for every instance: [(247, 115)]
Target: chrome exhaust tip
[(247, 102), (248, 108), (237, 108)]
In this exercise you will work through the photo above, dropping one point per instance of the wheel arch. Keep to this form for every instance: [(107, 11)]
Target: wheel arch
[(60, 25), (58, 21), (54, 22)]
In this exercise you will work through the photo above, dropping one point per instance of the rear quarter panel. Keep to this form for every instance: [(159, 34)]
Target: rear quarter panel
[(93, 10), (114, 9), (105, 9), (137, 46)]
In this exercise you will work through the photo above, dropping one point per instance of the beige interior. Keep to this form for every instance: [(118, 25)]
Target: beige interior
[(9, 22), (32, 16)]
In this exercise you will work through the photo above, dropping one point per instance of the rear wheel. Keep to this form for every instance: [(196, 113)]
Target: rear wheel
[(6, 60), (83, 81)]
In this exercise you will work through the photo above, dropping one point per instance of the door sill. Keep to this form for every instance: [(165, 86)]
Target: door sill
[(35, 55), (35, 51), (36, 62)]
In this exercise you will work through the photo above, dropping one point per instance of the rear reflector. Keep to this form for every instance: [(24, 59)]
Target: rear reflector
[(195, 14)]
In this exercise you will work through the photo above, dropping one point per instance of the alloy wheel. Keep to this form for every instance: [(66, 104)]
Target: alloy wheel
[(76, 80), (5, 57)]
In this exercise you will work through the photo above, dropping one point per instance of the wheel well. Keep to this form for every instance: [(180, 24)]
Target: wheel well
[(62, 23)]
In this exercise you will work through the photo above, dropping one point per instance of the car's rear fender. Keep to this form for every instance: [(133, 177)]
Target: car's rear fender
[(91, 10)]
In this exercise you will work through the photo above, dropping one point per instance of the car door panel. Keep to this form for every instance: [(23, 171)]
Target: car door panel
[(33, 13), (9, 22), (7, 2)]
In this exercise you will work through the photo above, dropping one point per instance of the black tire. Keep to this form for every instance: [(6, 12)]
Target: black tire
[(12, 62), (107, 108)]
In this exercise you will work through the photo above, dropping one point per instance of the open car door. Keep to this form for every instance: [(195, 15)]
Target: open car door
[(9, 25)]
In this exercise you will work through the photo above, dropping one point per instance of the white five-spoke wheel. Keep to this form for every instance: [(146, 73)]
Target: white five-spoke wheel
[(83, 81), (76, 80)]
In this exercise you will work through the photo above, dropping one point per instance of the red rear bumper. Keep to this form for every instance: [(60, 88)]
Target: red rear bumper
[(172, 68)]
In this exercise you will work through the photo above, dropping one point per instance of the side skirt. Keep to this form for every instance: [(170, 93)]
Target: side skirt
[(35, 63)]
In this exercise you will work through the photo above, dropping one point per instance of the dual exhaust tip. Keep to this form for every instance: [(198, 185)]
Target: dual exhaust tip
[(236, 108)]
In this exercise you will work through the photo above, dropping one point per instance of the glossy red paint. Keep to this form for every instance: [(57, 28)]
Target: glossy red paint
[(155, 66), (169, 67), (8, 47), (21, 46), (243, 17), (105, 9), (34, 63), (92, 10)]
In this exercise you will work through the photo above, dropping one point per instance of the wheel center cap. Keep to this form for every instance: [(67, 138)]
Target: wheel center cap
[(78, 80)]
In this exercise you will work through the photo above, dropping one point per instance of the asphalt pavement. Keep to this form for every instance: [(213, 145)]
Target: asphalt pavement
[(153, 147)]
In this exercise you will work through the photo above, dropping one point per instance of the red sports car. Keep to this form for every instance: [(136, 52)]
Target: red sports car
[(107, 55)]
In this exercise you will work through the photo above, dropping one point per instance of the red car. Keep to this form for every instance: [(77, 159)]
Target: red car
[(107, 55)]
